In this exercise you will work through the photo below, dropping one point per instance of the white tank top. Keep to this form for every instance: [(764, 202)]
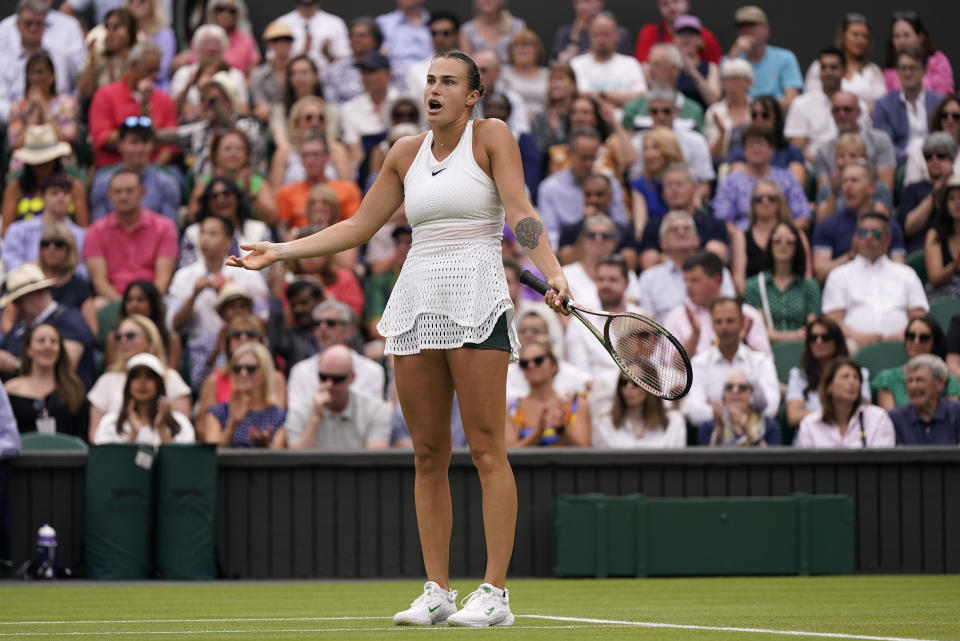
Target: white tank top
[(452, 288)]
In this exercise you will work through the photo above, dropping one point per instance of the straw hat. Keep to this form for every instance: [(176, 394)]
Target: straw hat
[(230, 291), (226, 83), (276, 30), (23, 280), (40, 145)]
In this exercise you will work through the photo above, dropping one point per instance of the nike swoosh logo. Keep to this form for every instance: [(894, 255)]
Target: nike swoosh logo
[(490, 611), (431, 610), (434, 173)]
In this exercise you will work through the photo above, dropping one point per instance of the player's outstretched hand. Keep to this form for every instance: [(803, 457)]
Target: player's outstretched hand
[(262, 254)]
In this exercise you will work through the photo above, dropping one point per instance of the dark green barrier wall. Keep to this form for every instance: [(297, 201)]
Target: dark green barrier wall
[(288, 514), (601, 536)]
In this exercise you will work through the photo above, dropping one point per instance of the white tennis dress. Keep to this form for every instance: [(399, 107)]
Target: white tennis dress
[(451, 289)]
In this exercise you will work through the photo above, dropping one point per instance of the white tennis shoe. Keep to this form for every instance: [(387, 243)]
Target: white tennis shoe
[(484, 607), (430, 608)]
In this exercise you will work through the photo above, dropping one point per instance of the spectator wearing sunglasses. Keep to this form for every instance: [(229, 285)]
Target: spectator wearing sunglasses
[(713, 367), (907, 30), (193, 300), (946, 119), (823, 342), (133, 95), (444, 35), (334, 416), (21, 243), (334, 323), (922, 200), (252, 417), (60, 260), (136, 144), (766, 114), (871, 297), (922, 336), (739, 422), (849, 117), (543, 417), (904, 114), (141, 297), (243, 328)]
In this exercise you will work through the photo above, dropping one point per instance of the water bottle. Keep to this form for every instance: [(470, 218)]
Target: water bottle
[(46, 552)]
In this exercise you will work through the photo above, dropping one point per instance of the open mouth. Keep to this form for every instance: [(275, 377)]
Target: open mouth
[(433, 106)]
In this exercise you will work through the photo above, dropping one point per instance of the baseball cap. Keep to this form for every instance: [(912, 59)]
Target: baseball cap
[(691, 23), (750, 14)]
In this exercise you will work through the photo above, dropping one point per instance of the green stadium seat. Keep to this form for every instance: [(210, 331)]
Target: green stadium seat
[(106, 317), (881, 356), (919, 263), (785, 356), (56, 441), (944, 309)]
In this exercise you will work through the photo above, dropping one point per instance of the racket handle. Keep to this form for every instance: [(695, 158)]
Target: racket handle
[(537, 285)]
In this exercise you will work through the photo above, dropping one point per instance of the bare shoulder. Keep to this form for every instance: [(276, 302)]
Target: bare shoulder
[(14, 385), (491, 131), (402, 153)]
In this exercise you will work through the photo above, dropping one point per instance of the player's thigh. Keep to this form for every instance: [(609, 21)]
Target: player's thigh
[(425, 390), (480, 378)]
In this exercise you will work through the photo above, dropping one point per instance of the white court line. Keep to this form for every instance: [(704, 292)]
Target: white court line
[(611, 622), (391, 628), (678, 626)]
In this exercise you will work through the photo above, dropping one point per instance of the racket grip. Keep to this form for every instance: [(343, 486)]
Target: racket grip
[(537, 285)]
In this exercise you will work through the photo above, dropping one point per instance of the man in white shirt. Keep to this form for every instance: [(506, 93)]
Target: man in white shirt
[(871, 297), (603, 73), (321, 35), (583, 350), (334, 416), (367, 114), (31, 26), (599, 238), (810, 123), (334, 324), (661, 286), (62, 34), (690, 321), (713, 367)]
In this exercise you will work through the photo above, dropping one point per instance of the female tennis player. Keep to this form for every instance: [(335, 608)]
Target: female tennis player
[(449, 320)]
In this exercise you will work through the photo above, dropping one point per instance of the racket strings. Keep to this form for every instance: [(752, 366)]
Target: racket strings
[(649, 357)]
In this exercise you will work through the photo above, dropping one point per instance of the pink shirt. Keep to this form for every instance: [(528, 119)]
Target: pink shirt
[(241, 53), (677, 323), (112, 104), (939, 76), (131, 254), (877, 427)]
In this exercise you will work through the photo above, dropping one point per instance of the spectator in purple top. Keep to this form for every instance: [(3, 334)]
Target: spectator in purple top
[(732, 202), (907, 30)]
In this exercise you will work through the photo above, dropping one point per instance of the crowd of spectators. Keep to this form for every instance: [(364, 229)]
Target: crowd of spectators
[(715, 187)]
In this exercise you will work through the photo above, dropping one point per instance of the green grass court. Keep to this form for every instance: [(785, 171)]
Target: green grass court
[(849, 607)]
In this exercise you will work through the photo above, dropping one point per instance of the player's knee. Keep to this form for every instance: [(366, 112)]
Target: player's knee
[(430, 459), (487, 460)]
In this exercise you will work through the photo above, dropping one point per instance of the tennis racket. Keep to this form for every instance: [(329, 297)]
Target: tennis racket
[(645, 352)]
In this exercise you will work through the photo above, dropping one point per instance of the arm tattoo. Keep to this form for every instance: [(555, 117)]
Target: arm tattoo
[(528, 232)]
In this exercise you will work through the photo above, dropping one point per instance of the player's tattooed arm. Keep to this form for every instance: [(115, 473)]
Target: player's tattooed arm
[(528, 232)]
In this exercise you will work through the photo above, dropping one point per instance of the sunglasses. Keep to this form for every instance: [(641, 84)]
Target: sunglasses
[(599, 235), (404, 115), (536, 360), (950, 115), (821, 338), (876, 234), (759, 115), (59, 244), (217, 195), (244, 333), (126, 336), (138, 121), (246, 369), (656, 111), (738, 387), (916, 336), (769, 198), (333, 378), (936, 155), (442, 32), (328, 322)]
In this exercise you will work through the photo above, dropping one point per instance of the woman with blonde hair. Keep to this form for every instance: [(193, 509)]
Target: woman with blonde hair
[(525, 73), (323, 210), (850, 148), (252, 417), (232, 15), (136, 334), (308, 115), (659, 150), (492, 27)]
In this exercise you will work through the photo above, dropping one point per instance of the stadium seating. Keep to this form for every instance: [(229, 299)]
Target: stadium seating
[(880, 356), (34, 441), (785, 356), (944, 309), (919, 263)]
